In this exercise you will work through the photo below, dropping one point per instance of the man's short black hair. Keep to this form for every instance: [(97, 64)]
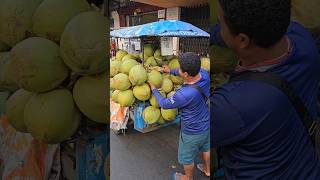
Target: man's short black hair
[(263, 21), (190, 63)]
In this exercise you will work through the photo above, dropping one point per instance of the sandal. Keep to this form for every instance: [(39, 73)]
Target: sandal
[(200, 167)]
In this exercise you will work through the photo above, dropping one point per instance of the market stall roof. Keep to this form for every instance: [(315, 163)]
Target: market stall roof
[(166, 28), (175, 3)]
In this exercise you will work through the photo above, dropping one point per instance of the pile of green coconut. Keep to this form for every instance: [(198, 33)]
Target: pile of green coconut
[(53, 59), (129, 79)]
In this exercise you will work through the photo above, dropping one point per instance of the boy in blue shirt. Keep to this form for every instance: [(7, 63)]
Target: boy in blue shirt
[(194, 113), (259, 130)]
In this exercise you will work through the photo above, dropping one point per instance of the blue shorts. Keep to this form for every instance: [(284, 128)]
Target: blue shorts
[(191, 145)]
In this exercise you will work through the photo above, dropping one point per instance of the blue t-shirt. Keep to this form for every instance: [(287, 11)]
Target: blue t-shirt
[(261, 134), (193, 110)]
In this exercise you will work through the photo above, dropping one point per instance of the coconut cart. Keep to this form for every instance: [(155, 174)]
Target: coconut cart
[(161, 35), (61, 141)]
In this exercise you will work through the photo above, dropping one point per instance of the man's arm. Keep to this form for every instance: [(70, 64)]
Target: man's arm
[(175, 101), (175, 72)]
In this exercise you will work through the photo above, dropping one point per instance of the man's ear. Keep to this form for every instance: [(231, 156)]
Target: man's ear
[(184, 74), (243, 40)]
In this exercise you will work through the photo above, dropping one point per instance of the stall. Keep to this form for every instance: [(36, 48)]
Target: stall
[(152, 45), (53, 115)]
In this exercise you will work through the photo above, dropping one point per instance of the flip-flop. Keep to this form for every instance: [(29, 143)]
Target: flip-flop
[(200, 167), (177, 176)]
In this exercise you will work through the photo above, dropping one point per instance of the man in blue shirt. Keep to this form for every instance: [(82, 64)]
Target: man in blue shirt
[(193, 111), (260, 132)]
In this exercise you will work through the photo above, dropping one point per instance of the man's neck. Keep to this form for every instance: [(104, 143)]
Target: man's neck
[(259, 55), (192, 80)]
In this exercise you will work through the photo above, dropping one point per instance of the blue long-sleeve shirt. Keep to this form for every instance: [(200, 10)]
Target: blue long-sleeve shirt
[(193, 110), (260, 132)]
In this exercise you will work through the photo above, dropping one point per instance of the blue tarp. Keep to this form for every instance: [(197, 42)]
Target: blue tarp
[(166, 28)]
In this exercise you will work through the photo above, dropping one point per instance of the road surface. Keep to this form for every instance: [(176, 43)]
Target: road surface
[(150, 156)]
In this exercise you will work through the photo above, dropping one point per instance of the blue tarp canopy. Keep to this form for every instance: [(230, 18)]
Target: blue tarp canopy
[(166, 28)]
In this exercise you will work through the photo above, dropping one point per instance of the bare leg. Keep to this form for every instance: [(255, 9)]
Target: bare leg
[(188, 169), (206, 165)]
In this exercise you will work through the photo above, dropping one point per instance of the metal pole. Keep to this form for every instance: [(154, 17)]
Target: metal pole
[(142, 46)]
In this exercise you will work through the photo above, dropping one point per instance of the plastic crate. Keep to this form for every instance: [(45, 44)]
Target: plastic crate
[(141, 126), (91, 156)]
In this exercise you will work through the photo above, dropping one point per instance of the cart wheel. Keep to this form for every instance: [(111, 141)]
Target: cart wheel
[(117, 132)]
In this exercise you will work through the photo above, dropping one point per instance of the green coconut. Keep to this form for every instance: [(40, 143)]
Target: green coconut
[(15, 108), (164, 62), (169, 114), (161, 120), (307, 13), (7, 82), (136, 56), (126, 65), (129, 56), (121, 82), (151, 114), (153, 101), (126, 98), (169, 57), (16, 20), (112, 84), (176, 79), (159, 61), (167, 85), (4, 47), (142, 92), (177, 87), (223, 59), (205, 63), (170, 94), (151, 61), (138, 75), (148, 51), (155, 78), (37, 65), (114, 68), (52, 117), (174, 64), (157, 55), (52, 16), (166, 75), (83, 43), (162, 93), (120, 54), (114, 95), (141, 56), (90, 93)]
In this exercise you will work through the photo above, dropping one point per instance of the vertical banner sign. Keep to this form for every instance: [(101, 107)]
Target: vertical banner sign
[(166, 46)]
